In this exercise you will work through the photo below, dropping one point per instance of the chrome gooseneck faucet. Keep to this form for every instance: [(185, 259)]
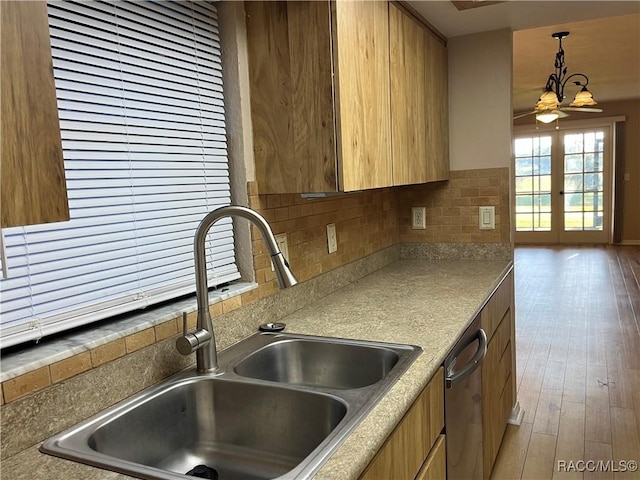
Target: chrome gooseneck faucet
[(202, 340)]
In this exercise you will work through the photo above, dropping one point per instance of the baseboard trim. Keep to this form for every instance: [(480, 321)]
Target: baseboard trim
[(516, 416), (629, 242)]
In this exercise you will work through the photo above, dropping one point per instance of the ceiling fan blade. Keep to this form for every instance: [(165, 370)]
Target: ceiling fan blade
[(582, 109), (558, 112), (520, 115)]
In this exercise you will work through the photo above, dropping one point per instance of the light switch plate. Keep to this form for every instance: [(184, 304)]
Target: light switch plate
[(487, 218)]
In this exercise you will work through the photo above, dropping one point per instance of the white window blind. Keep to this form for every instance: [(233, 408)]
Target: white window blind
[(140, 100)]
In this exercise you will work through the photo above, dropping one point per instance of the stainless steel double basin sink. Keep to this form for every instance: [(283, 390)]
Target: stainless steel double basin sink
[(278, 408)]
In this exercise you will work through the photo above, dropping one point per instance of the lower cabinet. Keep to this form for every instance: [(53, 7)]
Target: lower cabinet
[(498, 372), (416, 448), (435, 466)]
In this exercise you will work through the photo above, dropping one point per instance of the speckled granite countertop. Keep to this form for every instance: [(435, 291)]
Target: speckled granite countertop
[(419, 302)]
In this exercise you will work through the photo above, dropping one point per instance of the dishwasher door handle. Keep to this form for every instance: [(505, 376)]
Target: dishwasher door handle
[(454, 377)]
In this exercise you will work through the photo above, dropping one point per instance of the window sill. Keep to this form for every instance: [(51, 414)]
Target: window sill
[(34, 356)]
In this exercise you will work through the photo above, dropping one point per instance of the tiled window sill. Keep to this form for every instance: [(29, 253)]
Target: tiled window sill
[(37, 366)]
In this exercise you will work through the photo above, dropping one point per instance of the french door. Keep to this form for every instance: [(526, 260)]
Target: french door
[(562, 186)]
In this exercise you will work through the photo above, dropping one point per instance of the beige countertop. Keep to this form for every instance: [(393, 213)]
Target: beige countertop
[(428, 303)]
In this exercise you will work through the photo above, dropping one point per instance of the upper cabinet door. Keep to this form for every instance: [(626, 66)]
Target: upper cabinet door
[(32, 168), (419, 101), (292, 109), (408, 62), (361, 58), (437, 100)]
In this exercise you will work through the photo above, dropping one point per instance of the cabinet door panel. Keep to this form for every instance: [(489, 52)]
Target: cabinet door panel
[(437, 99), (271, 97), (408, 50), (361, 59), (498, 371), (313, 109), (419, 101), (435, 466), (492, 384), (405, 450), (33, 181), (497, 306)]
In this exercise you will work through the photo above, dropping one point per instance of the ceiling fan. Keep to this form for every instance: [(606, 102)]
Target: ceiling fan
[(549, 106)]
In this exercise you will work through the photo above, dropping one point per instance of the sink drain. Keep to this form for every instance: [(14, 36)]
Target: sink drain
[(202, 471)]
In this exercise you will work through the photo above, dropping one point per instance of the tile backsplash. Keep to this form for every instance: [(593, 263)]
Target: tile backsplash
[(369, 221), (452, 208), (366, 222)]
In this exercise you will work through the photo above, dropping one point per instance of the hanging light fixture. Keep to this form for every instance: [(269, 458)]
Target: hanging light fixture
[(549, 105)]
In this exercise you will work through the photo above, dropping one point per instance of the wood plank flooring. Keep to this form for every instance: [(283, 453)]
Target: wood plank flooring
[(578, 364)]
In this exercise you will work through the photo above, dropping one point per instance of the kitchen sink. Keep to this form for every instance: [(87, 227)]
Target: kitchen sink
[(243, 422), (319, 363), (209, 421)]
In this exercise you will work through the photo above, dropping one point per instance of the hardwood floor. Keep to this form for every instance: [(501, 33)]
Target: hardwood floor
[(578, 364)]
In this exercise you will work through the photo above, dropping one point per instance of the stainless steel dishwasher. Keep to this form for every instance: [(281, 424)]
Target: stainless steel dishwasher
[(463, 404)]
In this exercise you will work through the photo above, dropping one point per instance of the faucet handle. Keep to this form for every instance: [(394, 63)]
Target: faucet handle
[(184, 323), (190, 342)]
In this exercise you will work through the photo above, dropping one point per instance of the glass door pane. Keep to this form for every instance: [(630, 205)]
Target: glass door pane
[(562, 185), (583, 181), (533, 184)]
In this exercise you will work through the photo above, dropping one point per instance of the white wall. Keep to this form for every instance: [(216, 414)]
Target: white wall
[(480, 70), (235, 66)]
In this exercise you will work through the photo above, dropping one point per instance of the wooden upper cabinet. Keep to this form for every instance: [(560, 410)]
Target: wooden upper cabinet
[(33, 188), (361, 57), (345, 95), (437, 98), (408, 97), (319, 79), (419, 101)]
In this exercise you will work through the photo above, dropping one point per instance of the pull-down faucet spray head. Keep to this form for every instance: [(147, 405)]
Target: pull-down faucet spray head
[(202, 340)]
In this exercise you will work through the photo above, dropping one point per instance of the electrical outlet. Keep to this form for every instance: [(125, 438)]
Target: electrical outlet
[(281, 240), (418, 218), (332, 239)]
